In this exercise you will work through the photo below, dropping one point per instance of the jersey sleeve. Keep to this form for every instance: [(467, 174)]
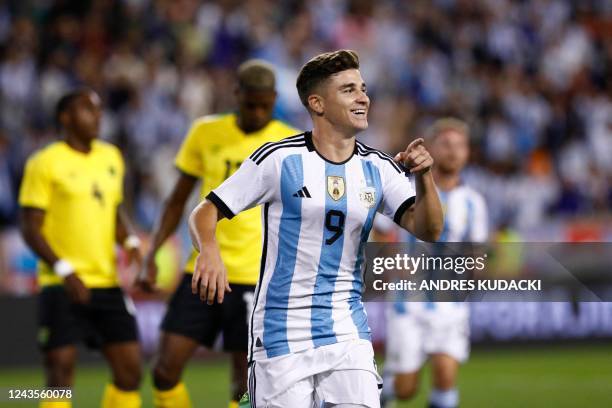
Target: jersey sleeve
[(189, 157), (479, 230), (249, 186), (398, 192), (36, 187)]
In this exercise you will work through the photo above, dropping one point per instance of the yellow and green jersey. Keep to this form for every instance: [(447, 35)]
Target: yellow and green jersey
[(213, 150), (79, 193)]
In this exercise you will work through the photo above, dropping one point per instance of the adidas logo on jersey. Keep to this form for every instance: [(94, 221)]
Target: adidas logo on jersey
[(303, 192)]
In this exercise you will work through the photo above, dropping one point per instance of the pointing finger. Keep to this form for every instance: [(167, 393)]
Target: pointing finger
[(415, 143)]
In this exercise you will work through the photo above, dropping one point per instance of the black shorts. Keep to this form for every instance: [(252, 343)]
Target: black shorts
[(189, 316), (107, 318)]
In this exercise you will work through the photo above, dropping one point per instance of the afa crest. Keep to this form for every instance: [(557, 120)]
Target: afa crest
[(335, 187), (367, 197)]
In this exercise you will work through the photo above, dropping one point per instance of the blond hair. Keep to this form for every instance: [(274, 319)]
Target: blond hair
[(256, 75), (446, 124)]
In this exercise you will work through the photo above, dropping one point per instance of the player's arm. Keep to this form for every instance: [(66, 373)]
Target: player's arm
[(30, 222), (172, 212), (126, 237), (210, 275), (424, 219), (249, 186)]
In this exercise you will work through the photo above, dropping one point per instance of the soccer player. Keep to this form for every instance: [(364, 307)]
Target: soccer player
[(70, 217), (213, 149), (309, 340), (435, 330)]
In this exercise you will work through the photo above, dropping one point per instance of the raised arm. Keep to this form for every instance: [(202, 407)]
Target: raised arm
[(424, 219)]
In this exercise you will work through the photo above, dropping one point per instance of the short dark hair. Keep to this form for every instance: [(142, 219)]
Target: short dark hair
[(256, 75), (321, 67), (66, 101)]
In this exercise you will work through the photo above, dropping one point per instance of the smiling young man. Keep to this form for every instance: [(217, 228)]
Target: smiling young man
[(309, 340)]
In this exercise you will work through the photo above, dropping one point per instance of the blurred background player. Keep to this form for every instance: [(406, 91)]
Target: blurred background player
[(435, 330), (214, 149), (70, 217)]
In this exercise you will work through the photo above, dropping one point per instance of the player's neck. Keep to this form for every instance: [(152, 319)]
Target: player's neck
[(245, 127), (80, 145), (333, 145), (446, 181)]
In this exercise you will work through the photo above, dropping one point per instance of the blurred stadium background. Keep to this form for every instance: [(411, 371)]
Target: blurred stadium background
[(532, 78)]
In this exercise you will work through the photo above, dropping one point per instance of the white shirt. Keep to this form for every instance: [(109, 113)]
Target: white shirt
[(317, 216), (465, 220)]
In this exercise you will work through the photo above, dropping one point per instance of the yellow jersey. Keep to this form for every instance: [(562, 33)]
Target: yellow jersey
[(213, 150), (79, 193)]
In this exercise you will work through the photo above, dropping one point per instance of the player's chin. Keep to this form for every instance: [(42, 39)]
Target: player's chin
[(360, 124), (447, 167), (93, 133)]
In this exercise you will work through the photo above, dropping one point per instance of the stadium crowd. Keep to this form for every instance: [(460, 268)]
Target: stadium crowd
[(532, 78)]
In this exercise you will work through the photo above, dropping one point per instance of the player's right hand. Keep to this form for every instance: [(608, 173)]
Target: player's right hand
[(416, 157), (147, 276), (76, 289), (210, 276)]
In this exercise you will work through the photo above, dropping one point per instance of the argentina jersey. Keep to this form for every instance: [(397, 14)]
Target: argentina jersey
[(316, 216), (465, 216), (465, 220)]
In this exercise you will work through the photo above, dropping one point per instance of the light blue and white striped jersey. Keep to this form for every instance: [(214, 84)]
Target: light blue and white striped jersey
[(465, 216), (317, 216), (465, 220)]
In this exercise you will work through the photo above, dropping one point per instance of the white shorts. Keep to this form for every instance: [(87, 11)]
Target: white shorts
[(340, 373), (415, 334)]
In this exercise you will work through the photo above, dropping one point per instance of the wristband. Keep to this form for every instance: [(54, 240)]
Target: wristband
[(131, 242), (63, 268)]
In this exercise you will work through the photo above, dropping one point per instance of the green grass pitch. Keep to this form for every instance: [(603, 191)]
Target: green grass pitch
[(543, 376)]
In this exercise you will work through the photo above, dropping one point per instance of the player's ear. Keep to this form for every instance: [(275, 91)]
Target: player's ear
[(316, 104), (274, 95)]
